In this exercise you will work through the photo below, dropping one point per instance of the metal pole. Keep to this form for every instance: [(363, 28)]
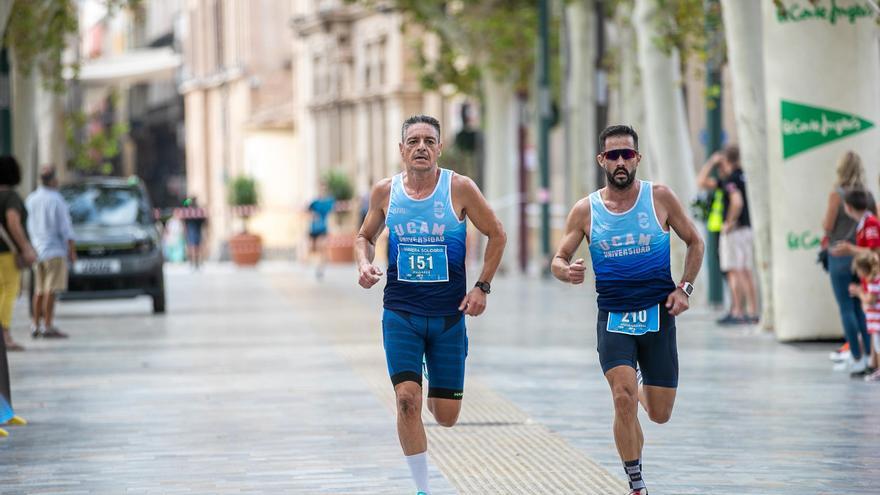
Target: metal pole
[(713, 139), (544, 127)]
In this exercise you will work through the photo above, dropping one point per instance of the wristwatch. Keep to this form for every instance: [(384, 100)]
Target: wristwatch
[(484, 286), (687, 287)]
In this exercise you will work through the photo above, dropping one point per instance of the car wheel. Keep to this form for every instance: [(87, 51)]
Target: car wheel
[(159, 303)]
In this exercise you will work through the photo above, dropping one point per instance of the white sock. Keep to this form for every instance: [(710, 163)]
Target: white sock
[(418, 468)]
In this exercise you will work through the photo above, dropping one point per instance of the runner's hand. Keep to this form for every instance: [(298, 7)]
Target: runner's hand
[(474, 303), (576, 272), (677, 302), (369, 275)]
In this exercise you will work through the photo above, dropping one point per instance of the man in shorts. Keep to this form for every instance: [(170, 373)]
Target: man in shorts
[(627, 225), (426, 209), (51, 232)]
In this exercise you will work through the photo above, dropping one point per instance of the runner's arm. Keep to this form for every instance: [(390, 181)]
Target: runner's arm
[(365, 244), (575, 227), (477, 209), (684, 227)]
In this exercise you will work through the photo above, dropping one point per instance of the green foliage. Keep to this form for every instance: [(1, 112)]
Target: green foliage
[(495, 35), (39, 31), (91, 155), (242, 191), (339, 185)]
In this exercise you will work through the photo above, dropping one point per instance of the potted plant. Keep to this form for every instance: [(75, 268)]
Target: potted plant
[(340, 245), (245, 248)]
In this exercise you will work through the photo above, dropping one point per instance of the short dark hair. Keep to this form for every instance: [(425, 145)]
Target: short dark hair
[(857, 199), (47, 175), (419, 119), (10, 172), (731, 154), (618, 130)]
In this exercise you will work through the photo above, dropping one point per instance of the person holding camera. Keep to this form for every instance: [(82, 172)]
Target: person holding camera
[(735, 246)]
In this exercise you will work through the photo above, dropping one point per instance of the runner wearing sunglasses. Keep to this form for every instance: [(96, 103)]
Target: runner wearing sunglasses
[(626, 224)]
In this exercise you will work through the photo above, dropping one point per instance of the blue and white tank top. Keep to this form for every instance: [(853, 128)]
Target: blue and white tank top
[(426, 251), (630, 253)]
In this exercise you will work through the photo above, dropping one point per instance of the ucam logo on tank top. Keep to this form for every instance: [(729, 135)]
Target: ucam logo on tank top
[(426, 251), (630, 254)]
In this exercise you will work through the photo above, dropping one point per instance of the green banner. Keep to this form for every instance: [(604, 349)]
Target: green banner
[(805, 127)]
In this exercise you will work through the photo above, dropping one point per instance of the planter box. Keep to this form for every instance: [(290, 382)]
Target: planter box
[(246, 249), (340, 248)]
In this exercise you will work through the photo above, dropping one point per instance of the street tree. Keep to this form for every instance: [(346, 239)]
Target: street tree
[(742, 19)]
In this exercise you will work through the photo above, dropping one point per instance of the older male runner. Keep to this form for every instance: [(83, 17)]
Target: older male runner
[(425, 209), (627, 225)]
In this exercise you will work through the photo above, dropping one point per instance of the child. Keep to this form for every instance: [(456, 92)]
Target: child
[(867, 266)]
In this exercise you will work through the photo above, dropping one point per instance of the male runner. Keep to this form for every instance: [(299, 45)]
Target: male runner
[(425, 209), (626, 224)]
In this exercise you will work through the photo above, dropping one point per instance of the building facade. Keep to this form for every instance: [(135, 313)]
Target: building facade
[(237, 91)]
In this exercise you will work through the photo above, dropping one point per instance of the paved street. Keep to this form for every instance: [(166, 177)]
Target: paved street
[(268, 381)]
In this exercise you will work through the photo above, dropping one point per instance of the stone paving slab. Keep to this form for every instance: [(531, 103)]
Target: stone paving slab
[(268, 381)]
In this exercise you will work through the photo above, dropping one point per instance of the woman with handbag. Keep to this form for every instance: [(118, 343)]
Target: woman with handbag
[(16, 251), (840, 227)]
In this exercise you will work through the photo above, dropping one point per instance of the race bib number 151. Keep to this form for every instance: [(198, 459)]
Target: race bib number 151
[(422, 263)]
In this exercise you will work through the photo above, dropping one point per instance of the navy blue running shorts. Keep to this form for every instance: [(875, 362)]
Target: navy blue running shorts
[(443, 342), (655, 352)]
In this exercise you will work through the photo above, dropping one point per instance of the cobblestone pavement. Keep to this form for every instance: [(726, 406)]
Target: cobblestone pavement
[(269, 381)]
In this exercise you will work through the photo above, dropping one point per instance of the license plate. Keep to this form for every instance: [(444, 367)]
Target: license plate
[(97, 267)]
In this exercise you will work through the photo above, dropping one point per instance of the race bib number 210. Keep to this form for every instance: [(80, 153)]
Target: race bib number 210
[(635, 322)]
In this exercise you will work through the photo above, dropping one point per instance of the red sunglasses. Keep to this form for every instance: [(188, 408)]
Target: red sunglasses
[(626, 153)]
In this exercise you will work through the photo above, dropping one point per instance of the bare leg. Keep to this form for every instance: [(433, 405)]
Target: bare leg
[(50, 309), (627, 430), (751, 293), (445, 411), (410, 429), (735, 293), (38, 309)]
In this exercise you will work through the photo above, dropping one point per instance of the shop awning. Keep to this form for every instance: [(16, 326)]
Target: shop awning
[(132, 67)]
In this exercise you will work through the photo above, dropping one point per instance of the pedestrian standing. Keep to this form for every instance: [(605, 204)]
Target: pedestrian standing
[(627, 224), (194, 221), (51, 231), (15, 252), (426, 209), (722, 172), (14, 243), (867, 267), (838, 227), (856, 204)]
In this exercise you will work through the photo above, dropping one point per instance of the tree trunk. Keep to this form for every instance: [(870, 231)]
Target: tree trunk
[(665, 115), (501, 178), (822, 100), (744, 50), (24, 122), (631, 98), (580, 99)]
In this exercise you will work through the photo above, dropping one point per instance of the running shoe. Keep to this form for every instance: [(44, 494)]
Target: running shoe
[(859, 367), (840, 354), (421, 493), (873, 377), (845, 365), (17, 421), (641, 491), (3, 433)]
